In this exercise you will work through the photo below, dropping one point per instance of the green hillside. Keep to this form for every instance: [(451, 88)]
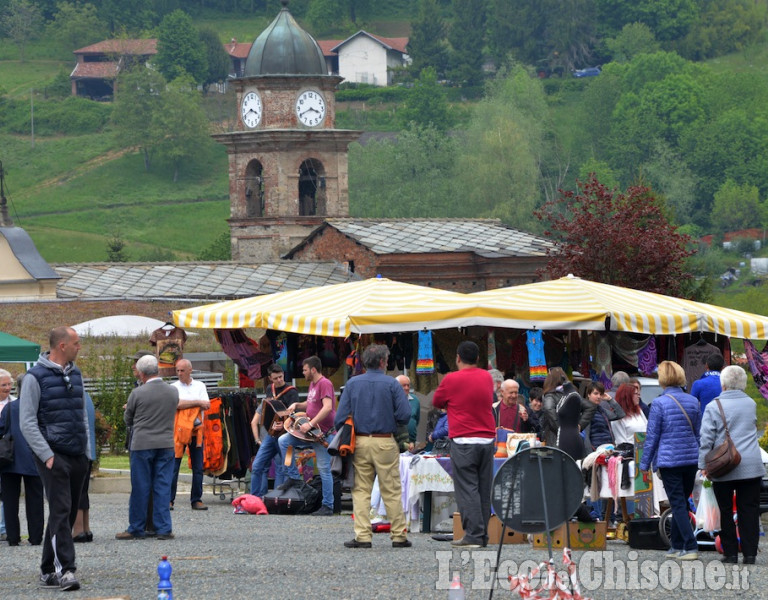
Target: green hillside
[(73, 193)]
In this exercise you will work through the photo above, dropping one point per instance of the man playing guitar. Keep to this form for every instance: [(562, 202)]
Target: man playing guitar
[(267, 426)]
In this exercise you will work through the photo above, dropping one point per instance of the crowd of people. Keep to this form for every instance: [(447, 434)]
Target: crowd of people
[(52, 422)]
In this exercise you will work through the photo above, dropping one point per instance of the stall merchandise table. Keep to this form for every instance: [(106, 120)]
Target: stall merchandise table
[(427, 489)]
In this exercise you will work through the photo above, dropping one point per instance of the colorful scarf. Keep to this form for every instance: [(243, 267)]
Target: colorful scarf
[(425, 363), (537, 363)]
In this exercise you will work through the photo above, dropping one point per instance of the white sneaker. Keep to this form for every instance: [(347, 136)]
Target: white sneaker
[(69, 582), (688, 555)]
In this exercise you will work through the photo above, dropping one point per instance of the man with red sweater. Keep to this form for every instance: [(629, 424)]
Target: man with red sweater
[(467, 394)]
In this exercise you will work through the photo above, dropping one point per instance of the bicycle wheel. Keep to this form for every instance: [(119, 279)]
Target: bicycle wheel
[(665, 525)]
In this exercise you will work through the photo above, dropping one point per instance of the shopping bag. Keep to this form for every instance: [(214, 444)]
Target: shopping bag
[(708, 512)]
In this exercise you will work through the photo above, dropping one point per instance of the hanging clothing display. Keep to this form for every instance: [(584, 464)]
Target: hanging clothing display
[(646, 358), (603, 365), (244, 352), (425, 363), (695, 360), (491, 349), (758, 366), (537, 363), (168, 341)]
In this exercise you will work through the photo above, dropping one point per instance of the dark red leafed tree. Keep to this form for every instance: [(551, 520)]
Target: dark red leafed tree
[(616, 238)]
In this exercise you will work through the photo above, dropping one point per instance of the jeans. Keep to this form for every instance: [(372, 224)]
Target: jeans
[(151, 474), (268, 449), (196, 454), (678, 483), (321, 456)]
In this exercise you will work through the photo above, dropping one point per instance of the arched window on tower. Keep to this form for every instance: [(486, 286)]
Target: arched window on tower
[(254, 190), (312, 188)]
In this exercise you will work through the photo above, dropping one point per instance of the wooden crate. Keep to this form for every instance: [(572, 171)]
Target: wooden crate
[(584, 536), (494, 531)]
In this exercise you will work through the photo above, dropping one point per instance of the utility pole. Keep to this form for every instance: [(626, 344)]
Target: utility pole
[(32, 113)]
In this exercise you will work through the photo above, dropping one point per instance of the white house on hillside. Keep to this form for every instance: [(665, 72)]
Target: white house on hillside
[(367, 58)]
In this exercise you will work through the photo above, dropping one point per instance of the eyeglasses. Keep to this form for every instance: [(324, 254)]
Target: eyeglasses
[(68, 382)]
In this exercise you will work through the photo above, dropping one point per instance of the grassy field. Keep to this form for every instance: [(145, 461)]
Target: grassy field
[(73, 193)]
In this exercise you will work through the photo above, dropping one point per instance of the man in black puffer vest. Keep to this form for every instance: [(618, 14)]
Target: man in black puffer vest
[(54, 422)]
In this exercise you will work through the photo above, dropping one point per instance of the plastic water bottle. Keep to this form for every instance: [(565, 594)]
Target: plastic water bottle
[(456, 591), (164, 586)]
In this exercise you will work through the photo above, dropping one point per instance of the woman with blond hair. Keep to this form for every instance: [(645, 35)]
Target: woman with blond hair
[(672, 447)]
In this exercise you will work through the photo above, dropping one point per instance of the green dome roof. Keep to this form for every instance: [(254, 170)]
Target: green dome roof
[(284, 48)]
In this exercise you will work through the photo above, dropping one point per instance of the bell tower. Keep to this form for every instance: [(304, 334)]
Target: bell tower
[(287, 161)]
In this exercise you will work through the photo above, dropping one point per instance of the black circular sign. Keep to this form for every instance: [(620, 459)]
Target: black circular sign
[(533, 481)]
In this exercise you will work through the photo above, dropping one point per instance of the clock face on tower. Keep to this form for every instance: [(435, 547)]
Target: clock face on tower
[(310, 108), (250, 109)]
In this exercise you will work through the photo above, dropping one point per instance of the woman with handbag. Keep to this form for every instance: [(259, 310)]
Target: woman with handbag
[(672, 447), (733, 415)]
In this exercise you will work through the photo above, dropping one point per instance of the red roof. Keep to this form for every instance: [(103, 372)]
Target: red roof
[(98, 70), (238, 49), (327, 46), (746, 234), (143, 47)]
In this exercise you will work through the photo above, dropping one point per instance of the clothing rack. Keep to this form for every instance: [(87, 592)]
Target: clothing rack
[(238, 405)]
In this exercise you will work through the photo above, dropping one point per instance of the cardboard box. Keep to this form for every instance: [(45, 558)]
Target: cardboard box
[(494, 531), (584, 536)]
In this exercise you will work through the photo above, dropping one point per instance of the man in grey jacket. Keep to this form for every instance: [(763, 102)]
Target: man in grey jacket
[(54, 423), (150, 413)]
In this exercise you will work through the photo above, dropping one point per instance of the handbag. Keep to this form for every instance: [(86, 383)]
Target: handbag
[(6, 450), (724, 458)]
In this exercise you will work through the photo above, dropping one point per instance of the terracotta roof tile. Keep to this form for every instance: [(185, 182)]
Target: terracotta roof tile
[(142, 47), (327, 46), (101, 70), (238, 49)]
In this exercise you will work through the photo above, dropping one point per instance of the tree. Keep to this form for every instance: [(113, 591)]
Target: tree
[(556, 33), (179, 48), (217, 58), (76, 26), (723, 26), (411, 176), (426, 103), (116, 248), (182, 123), (20, 22), (325, 15), (634, 39), (467, 38), (615, 238), (138, 99), (668, 19), (499, 166), (737, 207), (427, 45)]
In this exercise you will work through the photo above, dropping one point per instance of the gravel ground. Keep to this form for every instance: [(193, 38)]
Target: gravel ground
[(217, 554)]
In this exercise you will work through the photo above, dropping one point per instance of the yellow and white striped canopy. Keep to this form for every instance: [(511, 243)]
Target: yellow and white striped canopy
[(383, 305), (329, 310), (574, 303)]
